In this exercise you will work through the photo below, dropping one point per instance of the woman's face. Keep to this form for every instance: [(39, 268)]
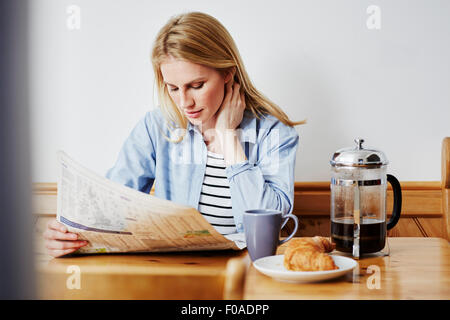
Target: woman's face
[(197, 90)]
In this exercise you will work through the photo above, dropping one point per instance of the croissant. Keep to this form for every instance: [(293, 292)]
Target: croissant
[(318, 243), (309, 254)]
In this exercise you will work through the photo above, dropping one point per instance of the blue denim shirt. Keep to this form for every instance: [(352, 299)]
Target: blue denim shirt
[(264, 181)]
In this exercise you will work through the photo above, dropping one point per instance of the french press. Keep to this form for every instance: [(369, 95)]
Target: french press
[(358, 200)]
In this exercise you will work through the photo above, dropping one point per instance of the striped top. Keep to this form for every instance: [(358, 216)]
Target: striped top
[(215, 197)]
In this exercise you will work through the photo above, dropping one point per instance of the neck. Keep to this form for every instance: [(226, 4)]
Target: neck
[(207, 129)]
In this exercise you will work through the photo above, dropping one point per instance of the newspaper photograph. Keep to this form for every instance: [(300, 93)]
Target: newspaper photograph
[(115, 218)]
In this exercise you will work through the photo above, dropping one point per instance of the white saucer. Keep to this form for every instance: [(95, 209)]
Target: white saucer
[(272, 266)]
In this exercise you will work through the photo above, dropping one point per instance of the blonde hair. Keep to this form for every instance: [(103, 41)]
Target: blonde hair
[(200, 38)]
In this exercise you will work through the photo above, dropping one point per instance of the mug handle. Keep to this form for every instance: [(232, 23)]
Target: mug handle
[(290, 215)]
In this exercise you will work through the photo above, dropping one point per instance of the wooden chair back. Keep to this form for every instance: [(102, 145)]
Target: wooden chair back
[(235, 277), (445, 182)]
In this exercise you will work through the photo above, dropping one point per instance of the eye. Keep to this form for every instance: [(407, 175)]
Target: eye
[(198, 86), (172, 89)]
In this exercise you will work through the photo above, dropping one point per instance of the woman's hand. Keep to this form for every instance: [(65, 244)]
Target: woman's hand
[(229, 117), (59, 241), (231, 111)]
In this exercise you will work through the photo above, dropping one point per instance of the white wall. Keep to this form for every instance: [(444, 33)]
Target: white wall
[(317, 59)]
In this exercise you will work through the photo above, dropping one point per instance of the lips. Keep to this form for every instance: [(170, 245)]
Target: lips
[(193, 114)]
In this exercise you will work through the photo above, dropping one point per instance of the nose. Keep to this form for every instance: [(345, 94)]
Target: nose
[(186, 100)]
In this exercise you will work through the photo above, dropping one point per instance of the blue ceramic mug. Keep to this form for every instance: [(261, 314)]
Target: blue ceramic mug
[(262, 231)]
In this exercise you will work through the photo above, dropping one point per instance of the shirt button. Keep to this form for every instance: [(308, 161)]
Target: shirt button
[(240, 226)]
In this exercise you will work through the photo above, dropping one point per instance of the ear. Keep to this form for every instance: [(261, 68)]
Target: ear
[(230, 74)]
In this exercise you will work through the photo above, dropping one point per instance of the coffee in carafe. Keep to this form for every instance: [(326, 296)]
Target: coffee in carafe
[(358, 200), (372, 235)]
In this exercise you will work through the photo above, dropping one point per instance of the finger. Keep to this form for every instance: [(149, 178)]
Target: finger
[(236, 93), (59, 253), (56, 235), (243, 100), (56, 225), (62, 245), (229, 90)]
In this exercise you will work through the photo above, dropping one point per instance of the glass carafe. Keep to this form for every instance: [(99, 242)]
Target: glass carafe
[(358, 200)]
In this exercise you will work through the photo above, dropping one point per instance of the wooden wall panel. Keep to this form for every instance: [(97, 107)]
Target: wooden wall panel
[(422, 211), (309, 226), (419, 198), (406, 227), (431, 227)]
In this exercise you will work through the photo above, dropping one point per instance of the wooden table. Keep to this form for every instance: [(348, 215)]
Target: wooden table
[(194, 275), (417, 268)]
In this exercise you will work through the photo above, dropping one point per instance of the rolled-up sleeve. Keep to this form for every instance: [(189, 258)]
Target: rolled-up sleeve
[(135, 165), (268, 183)]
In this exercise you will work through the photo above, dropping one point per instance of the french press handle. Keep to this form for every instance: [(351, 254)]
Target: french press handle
[(397, 201)]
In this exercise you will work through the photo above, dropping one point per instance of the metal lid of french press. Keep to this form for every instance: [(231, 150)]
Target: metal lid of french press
[(359, 156)]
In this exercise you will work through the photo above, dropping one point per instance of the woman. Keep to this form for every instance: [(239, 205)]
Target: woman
[(215, 143)]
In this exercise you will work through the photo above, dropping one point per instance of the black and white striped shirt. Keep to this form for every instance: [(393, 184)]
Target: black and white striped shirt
[(215, 197)]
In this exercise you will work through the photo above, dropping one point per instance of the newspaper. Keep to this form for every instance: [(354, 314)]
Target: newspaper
[(116, 218)]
